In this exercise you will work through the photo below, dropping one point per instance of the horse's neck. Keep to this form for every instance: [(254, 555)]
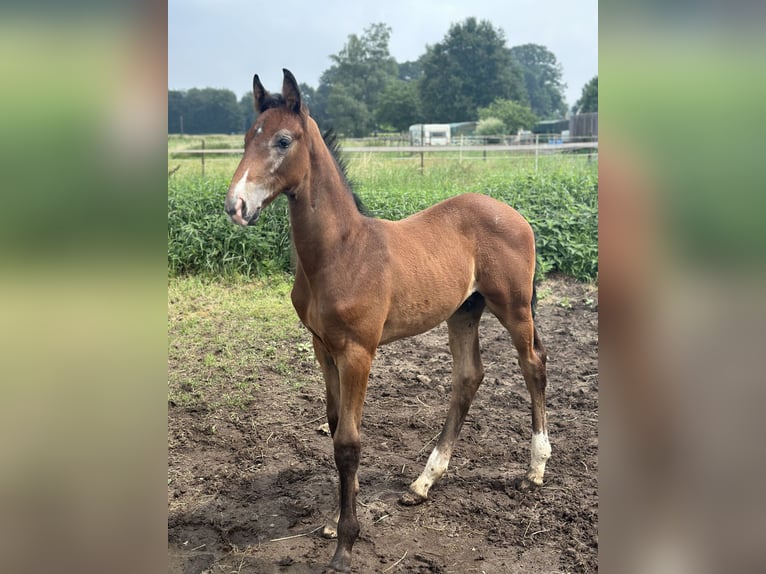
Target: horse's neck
[(323, 213)]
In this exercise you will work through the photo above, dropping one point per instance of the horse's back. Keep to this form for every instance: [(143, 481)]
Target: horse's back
[(478, 218)]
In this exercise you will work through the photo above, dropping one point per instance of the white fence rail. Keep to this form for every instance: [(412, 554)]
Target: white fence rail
[(522, 149), (525, 148)]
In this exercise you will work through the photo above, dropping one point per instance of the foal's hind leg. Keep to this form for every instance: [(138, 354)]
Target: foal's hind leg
[(517, 318), (533, 368), (467, 374)]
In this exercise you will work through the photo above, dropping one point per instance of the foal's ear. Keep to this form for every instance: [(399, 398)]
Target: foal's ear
[(259, 94), (290, 92)]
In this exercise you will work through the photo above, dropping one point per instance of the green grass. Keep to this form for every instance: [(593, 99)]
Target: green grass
[(178, 143), (202, 241), (227, 338), (559, 198)]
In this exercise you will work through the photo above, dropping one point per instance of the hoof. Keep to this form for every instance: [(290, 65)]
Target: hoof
[(526, 485), (330, 532), (332, 569), (410, 498), (341, 562)]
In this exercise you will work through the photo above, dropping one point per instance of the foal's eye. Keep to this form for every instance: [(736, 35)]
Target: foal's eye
[(283, 142)]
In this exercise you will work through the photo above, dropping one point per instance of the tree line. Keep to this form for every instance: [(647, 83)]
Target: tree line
[(470, 75)]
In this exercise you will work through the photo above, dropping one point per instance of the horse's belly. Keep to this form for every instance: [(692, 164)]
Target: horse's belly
[(420, 305), (401, 331), (416, 317)]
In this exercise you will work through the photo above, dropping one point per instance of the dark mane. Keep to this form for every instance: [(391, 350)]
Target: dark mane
[(331, 141), (271, 101)]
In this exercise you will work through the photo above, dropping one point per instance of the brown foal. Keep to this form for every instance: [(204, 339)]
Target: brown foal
[(362, 282)]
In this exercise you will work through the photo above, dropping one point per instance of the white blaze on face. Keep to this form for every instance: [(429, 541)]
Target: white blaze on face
[(249, 194), (241, 187)]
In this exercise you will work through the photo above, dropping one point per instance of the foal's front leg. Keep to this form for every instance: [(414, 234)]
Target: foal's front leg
[(332, 387), (353, 366)]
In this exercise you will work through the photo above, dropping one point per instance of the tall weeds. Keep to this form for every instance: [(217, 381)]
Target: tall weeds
[(560, 200)]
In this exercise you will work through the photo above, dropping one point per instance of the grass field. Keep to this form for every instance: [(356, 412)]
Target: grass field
[(366, 167), (558, 195), (217, 329)]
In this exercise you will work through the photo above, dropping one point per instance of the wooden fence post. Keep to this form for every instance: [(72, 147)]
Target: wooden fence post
[(203, 158)]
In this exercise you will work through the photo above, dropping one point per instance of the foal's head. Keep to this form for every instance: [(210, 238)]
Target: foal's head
[(276, 158)]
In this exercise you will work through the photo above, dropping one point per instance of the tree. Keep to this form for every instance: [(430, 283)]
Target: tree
[(513, 115), (362, 70), (210, 110), (399, 105), (542, 78), (588, 101), (319, 106), (469, 69), (491, 127), (204, 111), (350, 116), (247, 109), (411, 71), (176, 110), (308, 95)]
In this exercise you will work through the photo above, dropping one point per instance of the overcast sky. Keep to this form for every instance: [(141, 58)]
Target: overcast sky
[(222, 43)]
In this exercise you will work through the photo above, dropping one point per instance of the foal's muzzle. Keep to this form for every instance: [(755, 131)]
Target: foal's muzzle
[(238, 213)]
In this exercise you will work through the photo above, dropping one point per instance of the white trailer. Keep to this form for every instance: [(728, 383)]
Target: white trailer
[(430, 134)]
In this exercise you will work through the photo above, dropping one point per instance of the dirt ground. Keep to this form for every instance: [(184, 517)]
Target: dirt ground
[(249, 489)]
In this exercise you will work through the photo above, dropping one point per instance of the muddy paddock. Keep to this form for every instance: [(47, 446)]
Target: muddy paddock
[(249, 488)]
